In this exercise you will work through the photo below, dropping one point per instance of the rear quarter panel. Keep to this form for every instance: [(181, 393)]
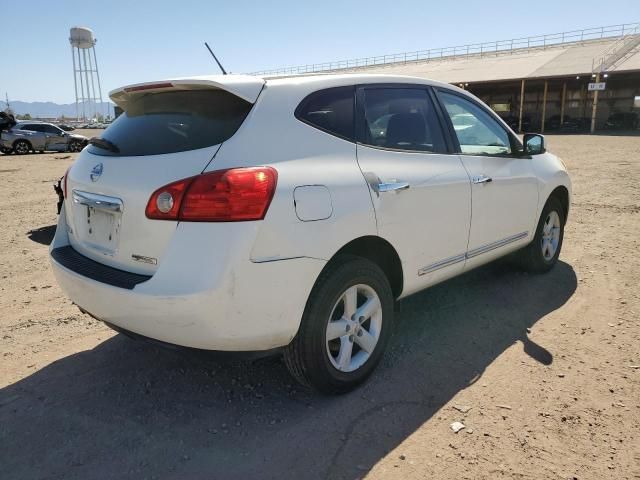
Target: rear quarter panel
[(302, 155)]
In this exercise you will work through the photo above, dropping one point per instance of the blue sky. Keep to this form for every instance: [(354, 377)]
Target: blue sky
[(141, 40)]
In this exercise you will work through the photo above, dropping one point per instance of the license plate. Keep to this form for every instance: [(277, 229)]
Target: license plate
[(101, 229), (97, 221)]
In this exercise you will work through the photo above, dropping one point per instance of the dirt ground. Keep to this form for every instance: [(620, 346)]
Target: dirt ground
[(549, 366)]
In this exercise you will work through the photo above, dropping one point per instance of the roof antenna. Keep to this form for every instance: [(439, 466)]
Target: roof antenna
[(215, 58)]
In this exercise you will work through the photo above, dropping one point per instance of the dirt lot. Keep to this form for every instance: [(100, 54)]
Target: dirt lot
[(549, 366)]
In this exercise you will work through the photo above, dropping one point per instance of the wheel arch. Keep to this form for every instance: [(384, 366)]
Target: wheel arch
[(22, 140), (562, 194), (380, 252)]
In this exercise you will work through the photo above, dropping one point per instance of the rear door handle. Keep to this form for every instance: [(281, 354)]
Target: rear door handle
[(392, 186), (482, 179)]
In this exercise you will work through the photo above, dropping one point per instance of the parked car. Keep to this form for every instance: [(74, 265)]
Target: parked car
[(29, 136), (569, 124), (554, 123), (241, 214), (622, 121), (7, 121), (66, 128), (513, 121)]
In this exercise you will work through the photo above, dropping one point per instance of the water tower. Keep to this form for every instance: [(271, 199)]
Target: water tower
[(85, 72)]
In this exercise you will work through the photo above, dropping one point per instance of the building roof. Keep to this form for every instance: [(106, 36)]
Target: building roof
[(580, 52), (556, 61)]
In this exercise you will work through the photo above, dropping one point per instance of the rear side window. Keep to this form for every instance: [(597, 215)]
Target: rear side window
[(174, 121), (401, 119), (330, 110)]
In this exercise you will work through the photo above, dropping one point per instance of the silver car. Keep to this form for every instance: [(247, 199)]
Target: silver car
[(29, 136)]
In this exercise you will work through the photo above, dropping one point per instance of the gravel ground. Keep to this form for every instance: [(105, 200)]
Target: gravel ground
[(544, 371)]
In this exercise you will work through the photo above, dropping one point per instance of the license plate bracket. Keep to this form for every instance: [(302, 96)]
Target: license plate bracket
[(98, 220)]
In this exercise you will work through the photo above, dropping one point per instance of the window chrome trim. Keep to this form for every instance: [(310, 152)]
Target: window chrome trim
[(471, 253)]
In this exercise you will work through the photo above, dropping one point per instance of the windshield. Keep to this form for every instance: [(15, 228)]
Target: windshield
[(170, 122)]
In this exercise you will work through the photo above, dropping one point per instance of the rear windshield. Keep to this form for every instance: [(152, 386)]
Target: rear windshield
[(175, 121)]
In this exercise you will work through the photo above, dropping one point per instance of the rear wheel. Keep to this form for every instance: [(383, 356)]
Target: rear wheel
[(6, 150), (543, 252), (21, 147), (345, 328)]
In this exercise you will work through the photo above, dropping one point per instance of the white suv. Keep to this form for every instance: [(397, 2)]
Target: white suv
[(239, 213)]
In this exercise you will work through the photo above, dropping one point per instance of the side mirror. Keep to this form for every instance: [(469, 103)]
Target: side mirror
[(533, 144)]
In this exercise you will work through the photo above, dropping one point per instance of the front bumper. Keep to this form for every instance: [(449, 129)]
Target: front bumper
[(202, 297)]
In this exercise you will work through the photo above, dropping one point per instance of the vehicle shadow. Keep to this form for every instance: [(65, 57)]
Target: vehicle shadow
[(127, 409), (43, 235)]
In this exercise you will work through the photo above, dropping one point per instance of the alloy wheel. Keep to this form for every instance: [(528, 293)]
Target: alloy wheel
[(354, 327), (550, 235), (21, 148)]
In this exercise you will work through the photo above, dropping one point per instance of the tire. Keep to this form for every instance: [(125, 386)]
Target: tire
[(542, 253), (319, 362), (6, 150), (21, 147), (75, 146)]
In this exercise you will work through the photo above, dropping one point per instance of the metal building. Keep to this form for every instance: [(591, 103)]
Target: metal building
[(577, 81), (86, 78)]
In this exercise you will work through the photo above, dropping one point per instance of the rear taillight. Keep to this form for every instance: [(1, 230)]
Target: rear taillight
[(234, 195), (175, 191)]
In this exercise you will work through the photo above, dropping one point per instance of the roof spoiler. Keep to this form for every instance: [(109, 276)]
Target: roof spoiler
[(245, 87)]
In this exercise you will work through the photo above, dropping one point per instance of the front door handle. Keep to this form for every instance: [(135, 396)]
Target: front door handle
[(392, 186), (481, 179)]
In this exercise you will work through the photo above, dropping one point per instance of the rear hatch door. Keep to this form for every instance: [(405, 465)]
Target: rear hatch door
[(169, 131)]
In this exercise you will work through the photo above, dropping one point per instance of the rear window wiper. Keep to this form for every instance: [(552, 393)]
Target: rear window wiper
[(104, 144)]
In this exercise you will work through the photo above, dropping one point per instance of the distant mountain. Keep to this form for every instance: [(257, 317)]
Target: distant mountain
[(50, 109)]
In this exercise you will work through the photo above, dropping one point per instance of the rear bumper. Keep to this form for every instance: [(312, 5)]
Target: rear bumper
[(217, 354), (199, 298)]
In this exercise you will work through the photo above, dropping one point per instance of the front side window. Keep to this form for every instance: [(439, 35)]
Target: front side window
[(401, 119), (330, 110), (52, 129), (478, 133)]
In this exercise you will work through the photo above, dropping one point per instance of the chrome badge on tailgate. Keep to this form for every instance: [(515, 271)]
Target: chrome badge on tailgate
[(143, 259)]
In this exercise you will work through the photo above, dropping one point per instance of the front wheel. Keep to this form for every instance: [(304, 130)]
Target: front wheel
[(75, 146), (542, 253), (345, 327)]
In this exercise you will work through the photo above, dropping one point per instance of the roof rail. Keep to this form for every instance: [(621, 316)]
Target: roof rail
[(463, 51)]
